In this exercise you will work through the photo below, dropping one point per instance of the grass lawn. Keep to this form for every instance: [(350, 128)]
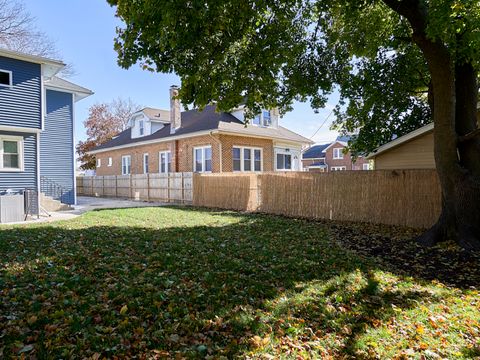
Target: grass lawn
[(195, 283)]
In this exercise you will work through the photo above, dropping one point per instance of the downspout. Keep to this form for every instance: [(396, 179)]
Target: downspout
[(219, 148)]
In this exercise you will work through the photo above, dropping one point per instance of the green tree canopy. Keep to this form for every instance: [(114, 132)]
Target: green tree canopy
[(396, 63)]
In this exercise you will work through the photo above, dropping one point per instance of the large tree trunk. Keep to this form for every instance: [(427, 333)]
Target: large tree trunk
[(457, 152)]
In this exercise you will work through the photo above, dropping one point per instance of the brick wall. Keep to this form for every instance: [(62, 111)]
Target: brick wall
[(228, 142), (346, 161), (185, 152), (182, 154), (136, 154)]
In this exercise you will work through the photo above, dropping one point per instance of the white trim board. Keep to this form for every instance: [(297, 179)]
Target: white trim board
[(343, 143), (20, 129)]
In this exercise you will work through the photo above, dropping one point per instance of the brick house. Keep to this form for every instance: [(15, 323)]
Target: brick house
[(332, 157), (161, 141)]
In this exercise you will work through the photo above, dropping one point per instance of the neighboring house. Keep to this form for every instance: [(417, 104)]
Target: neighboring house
[(161, 141), (411, 151), (332, 157), (37, 126)]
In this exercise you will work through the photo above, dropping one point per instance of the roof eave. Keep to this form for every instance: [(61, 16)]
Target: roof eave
[(401, 140), (193, 134)]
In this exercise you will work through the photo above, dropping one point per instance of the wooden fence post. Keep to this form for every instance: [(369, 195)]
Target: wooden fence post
[(148, 187), (91, 182), (131, 187), (183, 188), (103, 185), (116, 186), (168, 187)]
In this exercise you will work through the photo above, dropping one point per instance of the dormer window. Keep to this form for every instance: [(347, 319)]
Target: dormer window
[(267, 120), (141, 127), (263, 119), (5, 78)]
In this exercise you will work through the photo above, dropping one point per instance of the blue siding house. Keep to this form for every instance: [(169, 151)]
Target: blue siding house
[(37, 126)]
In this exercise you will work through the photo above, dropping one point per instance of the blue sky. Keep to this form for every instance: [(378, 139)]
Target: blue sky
[(83, 31)]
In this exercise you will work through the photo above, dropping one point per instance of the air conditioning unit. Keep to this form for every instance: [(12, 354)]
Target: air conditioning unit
[(12, 207)]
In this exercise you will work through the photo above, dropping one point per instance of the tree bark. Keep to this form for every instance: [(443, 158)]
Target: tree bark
[(455, 92)]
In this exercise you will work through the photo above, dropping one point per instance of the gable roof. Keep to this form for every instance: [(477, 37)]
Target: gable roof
[(154, 114), (343, 143), (195, 122), (61, 84), (315, 152), (400, 140)]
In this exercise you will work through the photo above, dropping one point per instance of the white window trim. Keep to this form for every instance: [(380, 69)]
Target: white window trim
[(340, 152), (130, 158), (203, 158), (284, 152), (19, 140), (11, 78), (99, 163), (338, 168), (166, 153), (252, 159), (262, 120), (110, 162), (145, 163)]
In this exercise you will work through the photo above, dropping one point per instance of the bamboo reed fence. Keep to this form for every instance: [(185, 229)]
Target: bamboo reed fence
[(400, 197), (172, 187)]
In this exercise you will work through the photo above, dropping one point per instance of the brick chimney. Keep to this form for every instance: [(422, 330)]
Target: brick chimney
[(175, 114)]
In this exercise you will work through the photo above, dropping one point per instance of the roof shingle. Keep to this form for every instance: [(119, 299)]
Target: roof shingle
[(198, 121)]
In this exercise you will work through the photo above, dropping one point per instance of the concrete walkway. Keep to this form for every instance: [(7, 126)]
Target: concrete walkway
[(87, 203)]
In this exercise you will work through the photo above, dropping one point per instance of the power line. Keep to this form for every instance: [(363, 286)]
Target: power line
[(324, 121)]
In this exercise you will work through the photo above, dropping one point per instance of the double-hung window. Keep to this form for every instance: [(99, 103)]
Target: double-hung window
[(110, 162), (338, 153), (165, 165), (267, 120), (145, 163), (99, 163), (126, 164), (366, 166), (11, 153), (141, 127), (246, 159), (6, 78), (284, 161), (202, 159)]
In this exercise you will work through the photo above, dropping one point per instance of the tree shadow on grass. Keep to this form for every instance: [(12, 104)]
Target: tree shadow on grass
[(73, 290)]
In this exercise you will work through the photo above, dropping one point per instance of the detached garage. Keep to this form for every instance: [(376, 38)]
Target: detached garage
[(411, 151)]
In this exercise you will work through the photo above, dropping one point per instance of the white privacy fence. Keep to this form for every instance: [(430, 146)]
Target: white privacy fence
[(172, 187)]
